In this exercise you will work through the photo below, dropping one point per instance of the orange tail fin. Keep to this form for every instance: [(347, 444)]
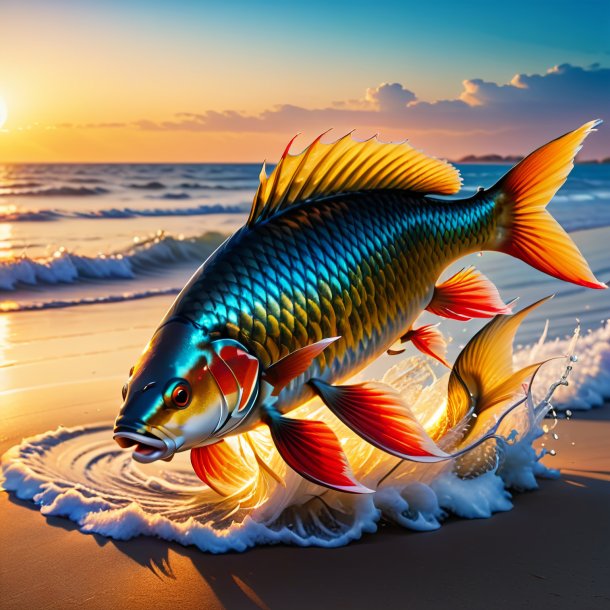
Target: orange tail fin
[(525, 229)]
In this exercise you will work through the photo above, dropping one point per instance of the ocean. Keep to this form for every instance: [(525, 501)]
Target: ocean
[(78, 234), (90, 258)]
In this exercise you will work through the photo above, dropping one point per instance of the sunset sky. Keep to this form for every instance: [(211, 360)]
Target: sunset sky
[(127, 80)]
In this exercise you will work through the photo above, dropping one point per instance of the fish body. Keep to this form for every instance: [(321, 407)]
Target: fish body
[(341, 253), (359, 266)]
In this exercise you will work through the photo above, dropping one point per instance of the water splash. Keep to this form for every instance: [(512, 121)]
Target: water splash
[(79, 473)]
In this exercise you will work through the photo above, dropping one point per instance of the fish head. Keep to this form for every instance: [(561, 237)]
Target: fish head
[(185, 391)]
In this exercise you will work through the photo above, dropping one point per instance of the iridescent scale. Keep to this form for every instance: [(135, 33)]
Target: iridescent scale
[(361, 266)]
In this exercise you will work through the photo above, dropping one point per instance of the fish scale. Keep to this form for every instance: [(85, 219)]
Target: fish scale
[(360, 266)]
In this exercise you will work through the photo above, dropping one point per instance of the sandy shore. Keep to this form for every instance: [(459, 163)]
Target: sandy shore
[(551, 550)]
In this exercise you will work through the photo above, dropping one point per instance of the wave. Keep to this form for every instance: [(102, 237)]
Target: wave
[(56, 191), (9, 306), (79, 473), (157, 186), (149, 186), (68, 268), (58, 214), (176, 196)]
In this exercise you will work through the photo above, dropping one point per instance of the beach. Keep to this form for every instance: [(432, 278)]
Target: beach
[(64, 358)]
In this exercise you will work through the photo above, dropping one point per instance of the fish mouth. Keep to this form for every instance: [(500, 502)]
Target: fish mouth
[(147, 447)]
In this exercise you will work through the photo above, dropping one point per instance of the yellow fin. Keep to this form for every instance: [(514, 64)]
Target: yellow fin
[(525, 229), (483, 375), (345, 166)]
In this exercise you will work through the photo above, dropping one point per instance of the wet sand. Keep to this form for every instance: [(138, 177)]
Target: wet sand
[(550, 550)]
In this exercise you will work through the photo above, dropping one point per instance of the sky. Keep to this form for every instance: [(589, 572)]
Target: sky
[(182, 81)]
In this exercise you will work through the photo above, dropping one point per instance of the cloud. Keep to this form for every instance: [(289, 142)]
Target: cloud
[(493, 117), (389, 98)]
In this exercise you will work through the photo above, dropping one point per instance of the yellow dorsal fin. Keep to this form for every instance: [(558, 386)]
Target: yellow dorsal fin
[(345, 166)]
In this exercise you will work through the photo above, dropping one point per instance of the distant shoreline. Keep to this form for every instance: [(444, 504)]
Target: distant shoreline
[(497, 159), (467, 159)]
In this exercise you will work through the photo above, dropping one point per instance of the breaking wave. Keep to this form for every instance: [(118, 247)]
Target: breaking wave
[(9, 306), (67, 268), (80, 474), (14, 215), (54, 191)]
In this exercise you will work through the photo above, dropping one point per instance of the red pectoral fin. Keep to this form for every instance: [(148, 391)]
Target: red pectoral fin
[(467, 294), (312, 449), (295, 364), (377, 413), (220, 468), (427, 339)]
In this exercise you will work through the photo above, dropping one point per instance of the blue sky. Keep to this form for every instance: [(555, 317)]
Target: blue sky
[(81, 62)]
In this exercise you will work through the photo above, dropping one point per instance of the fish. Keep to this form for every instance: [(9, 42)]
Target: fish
[(341, 253)]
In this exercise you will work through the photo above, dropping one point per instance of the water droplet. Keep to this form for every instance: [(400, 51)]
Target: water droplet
[(568, 413), (574, 358), (555, 436), (552, 452)]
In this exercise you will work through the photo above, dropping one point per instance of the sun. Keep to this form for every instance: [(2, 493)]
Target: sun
[(3, 112)]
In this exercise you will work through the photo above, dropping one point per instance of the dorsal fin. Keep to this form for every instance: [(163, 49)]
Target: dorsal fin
[(348, 165)]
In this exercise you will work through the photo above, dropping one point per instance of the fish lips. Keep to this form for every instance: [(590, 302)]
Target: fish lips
[(149, 444)]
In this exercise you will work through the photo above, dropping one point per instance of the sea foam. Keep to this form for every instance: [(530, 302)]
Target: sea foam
[(66, 267), (79, 473)]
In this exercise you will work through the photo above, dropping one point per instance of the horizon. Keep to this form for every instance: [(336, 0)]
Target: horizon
[(209, 84)]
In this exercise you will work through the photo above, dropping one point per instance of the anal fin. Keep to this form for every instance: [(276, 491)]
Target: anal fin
[(427, 339), (467, 294), (313, 451), (377, 413)]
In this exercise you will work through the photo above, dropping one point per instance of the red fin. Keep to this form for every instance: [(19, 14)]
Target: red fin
[(376, 412), (245, 368), (220, 468), (280, 374), (467, 294), (312, 449), (427, 339), (525, 229)]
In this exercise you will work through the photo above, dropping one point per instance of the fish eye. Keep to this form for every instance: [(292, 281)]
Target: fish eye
[(124, 391), (181, 395)]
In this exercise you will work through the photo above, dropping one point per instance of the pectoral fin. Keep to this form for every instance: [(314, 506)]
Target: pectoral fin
[(282, 372), (427, 339), (376, 412), (220, 468), (312, 449), (467, 294)]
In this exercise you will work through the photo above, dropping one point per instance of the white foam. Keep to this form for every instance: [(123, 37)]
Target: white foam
[(81, 474), (589, 384), (65, 267)]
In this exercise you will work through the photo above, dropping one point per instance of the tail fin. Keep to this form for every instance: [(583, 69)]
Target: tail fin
[(526, 230)]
